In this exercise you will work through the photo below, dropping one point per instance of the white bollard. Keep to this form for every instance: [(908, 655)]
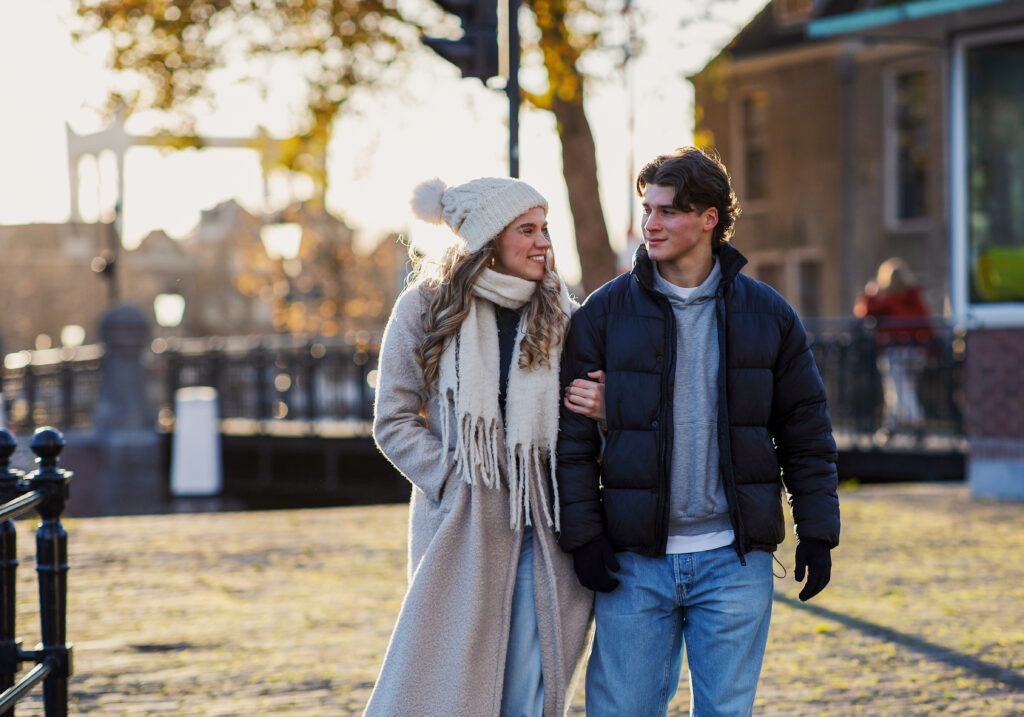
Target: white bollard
[(195, 456)]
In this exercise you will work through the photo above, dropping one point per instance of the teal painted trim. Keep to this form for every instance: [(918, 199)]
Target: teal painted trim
[(882, 16)]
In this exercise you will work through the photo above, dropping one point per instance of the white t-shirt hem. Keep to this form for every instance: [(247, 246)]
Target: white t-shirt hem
[(699, 543)]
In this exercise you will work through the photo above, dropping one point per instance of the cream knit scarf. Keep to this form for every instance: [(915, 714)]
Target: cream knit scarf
[(469, 379)]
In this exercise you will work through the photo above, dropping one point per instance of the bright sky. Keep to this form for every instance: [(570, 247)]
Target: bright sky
[(436, 124)]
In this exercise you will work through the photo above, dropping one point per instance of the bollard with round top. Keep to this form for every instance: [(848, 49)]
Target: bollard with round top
[(47, 443), (52, 567), (46, 490)]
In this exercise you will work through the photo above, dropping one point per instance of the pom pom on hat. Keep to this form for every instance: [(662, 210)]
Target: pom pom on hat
[(477, 211), (426, 201)]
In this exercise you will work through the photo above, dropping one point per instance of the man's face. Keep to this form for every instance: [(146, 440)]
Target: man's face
[(671, 234)]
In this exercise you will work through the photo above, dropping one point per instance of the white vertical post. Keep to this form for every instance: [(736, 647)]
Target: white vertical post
[(195, 456)]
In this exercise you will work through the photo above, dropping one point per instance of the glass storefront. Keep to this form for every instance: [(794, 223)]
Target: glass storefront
[(994, 94)]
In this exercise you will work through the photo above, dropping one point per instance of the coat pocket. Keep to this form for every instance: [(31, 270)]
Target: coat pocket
[(450, 485)]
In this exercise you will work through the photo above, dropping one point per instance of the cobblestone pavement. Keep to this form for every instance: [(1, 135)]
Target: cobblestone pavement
[(289, 612)]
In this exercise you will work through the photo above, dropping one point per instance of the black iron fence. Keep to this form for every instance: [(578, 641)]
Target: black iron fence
[(46, 491), (276, 379), (870, 368), (324, 385), (55, 387)]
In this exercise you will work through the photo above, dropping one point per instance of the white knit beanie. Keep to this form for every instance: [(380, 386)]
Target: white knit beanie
[(478, 210)]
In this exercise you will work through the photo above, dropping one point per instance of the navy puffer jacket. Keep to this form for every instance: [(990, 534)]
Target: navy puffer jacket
[(773, 423)]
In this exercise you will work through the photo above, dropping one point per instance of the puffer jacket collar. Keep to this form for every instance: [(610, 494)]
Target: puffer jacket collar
[(731, 259)]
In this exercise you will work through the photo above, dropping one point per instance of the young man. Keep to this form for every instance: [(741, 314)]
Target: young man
[(713, 403)]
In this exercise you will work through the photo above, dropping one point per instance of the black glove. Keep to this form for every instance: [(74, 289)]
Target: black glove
[(816, 557), (593, 563)]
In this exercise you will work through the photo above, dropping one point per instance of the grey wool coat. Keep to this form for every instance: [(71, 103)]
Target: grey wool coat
[(446, 657)]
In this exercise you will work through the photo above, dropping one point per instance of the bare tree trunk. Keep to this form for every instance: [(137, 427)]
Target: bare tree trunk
[(579, 167)]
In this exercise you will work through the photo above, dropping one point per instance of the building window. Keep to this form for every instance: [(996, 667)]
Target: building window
[(754, 119), (809, 297), (795, 273), (771, 274), (995, 172), (908, 142)]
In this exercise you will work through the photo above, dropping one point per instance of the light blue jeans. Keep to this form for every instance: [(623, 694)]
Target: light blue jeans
[(719, 608), (523, 691)]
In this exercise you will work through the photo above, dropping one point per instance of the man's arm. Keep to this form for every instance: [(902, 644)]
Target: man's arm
[(802, 430), (807, 453)]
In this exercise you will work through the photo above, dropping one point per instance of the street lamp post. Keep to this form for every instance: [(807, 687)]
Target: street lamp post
[(105, 264), (283, 243)]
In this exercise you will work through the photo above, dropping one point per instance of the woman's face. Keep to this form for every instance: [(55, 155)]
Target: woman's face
[(522, 248)]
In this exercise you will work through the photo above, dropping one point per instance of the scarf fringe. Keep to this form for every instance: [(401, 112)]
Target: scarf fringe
[(524, 469), (478, 451), (476, 446)]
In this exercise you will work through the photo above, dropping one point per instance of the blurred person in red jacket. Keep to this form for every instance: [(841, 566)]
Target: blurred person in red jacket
[(903, 329)]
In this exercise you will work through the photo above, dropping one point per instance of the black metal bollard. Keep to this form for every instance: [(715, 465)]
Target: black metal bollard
[(52, 567), (9, 490)]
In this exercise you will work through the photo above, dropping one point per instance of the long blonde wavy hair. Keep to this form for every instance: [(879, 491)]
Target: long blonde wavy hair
[(450, 283)]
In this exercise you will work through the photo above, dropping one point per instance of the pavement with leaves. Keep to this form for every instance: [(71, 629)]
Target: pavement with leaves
[(289, 612)]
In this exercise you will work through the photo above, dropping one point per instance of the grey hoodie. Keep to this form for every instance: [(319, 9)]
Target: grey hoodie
[(698, 502)]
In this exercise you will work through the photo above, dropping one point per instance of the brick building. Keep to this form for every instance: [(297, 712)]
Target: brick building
[(230, 284), (835, 155), (857, 130), (49, 283)]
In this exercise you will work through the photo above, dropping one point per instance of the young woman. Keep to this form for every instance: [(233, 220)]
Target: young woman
[(903, 331), (494, 621)]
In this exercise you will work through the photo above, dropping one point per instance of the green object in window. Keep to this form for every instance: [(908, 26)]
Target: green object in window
[(999, 274)]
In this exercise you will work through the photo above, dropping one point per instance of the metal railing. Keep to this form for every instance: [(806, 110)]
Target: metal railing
[(277, 379), (55, 387), (46, 491), (856, 357), (295, 383)]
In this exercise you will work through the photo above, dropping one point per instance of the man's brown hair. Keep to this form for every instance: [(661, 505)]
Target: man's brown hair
[(700, 181)]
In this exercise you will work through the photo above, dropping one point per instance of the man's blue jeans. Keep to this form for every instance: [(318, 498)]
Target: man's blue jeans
[(719, 608)]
